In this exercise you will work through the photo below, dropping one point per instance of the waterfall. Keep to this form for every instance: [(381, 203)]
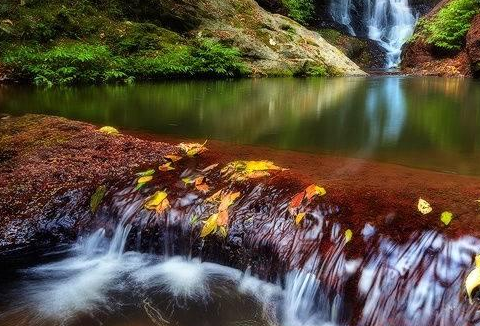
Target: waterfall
[(388, 22)]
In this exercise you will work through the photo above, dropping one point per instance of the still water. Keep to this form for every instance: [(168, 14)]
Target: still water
[(429, 123)]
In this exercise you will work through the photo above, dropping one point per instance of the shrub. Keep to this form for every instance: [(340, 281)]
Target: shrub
[(66, 64), (300, 10), (448, 28)]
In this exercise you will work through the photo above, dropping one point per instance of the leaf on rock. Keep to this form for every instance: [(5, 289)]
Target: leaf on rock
[(158, 201), (242, 170), (348, 235), (472, 281), (210, 226), (209, 168), (146, 173), (222, 218), (314, 190), (166, 167), (299, 218), (297, 200), (446, 217), (109, 130), (172, 158), (192, 149), (97, 198), (424, 207), (228, 200), (223, 231), (144, 179), (215, 197)]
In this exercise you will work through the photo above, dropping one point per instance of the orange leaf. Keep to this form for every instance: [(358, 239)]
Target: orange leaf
[(313, 190), (297, 200), (228, 200), (202, 187), (222, 218), (166, 167), (215, 197), (172, 158)]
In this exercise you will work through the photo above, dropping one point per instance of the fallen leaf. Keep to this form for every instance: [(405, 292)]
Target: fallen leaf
[(299, 218), (223, 231), (297, 200), (260, 166), (209, 168), (210, 226), (257, 174), (188, 180), (446, 217), (472, 281), (166, 167), (158, 201), (144, 179), (424, 207), (222, 218), (215, 197), (348, 235), (172, 158), (192, 149), (314, 190), (97, 198), (146, 173), (242, 170), (228, 200), (202, 187), (109, 130)]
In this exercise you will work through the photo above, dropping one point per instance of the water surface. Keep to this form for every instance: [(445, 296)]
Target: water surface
[(422, 122)]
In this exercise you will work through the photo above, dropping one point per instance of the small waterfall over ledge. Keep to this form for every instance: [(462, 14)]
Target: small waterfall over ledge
[(388, 22)]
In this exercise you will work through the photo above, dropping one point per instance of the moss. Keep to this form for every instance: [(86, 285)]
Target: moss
[(300, 10), (448, 28)]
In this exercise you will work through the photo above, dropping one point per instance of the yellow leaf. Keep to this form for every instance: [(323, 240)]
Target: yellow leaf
[(172, 158), (223, 231), (260, 166), (166, 167), (314, 190), (446, 217), (144, 179), (228, 200), (187, 180), (146, 173), (348, 235), (109, 130), (257, 174), (192, 149), (210, 226), (424, 207), (155, 201), (299, 218), (472, 281)]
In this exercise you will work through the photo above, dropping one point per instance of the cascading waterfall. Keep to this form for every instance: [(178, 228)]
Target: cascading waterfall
[(388, 22)]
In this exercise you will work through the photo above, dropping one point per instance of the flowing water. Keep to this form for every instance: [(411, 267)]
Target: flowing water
[(389, 22), (136, 268)]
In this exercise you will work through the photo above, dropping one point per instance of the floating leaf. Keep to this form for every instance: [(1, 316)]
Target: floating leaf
[(158, 201), (210, 226), (192, 149), (172, 158), (314, 190), (146, 173), (209, 168), (228, 200), (109, 130), (348, 235), (424, 207), (166, 167), (446, 217), (223, 231), (299, 218), (97, 198), (472, 281)]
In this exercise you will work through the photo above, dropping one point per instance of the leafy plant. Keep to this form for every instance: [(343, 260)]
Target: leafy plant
[(300, 10), (448, 28)]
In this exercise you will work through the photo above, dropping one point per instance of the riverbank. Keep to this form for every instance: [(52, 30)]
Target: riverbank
[(50, 167)]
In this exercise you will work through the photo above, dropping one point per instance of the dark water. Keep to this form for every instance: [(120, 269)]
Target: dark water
[(423, 122)]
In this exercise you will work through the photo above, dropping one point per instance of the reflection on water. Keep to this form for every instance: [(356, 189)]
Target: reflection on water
[(426, 122)]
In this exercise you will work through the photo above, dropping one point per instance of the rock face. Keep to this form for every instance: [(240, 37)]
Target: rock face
[(473, 46), (271, 43), (420, 58)]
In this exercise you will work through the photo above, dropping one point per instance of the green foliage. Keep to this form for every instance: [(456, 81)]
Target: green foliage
[(448, 28), (66, 64), (300, 10)]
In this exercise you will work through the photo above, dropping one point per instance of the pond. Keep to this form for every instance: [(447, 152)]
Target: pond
[(431, 123)]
